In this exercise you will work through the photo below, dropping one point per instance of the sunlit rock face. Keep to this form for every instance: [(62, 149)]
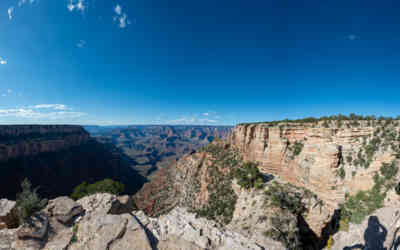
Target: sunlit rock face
[(323, 149)]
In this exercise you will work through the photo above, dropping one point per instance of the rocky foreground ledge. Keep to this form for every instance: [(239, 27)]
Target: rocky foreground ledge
[(104, 221)]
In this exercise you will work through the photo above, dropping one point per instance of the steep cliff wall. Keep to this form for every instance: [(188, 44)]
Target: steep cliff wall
[(331, 159), (28, 140), (58, 158), (310, 154)]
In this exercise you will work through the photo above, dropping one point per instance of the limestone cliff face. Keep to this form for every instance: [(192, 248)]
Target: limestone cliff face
[(316, 164), (312, 155), (331, 159), (27, 140)]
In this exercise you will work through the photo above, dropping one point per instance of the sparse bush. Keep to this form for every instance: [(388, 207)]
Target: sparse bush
[(389, 170), (342, 173), (349, 159), (104, 186), (330, 243), (28, 202), (344, 224), (248, 176), (74, 237), (358, 206), (278, 196)]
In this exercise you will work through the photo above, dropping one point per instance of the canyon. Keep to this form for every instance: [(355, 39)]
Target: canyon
[(325, 184), (57, 158), (335, 161), (151, 148)]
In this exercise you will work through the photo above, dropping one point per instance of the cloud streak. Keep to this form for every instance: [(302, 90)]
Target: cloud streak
[(78, 5), (52, 112), (51, 106), (207, 118), (121, 18), (10, 12)]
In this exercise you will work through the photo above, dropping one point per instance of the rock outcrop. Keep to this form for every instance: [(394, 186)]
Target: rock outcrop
[(8, 218), (98, 228)]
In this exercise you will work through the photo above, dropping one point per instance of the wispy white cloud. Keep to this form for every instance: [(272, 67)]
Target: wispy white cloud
[(78, 5), (22, 2), (81, 44), (121, 18), (118, 9), (50, 106), (10, 12), (51, 112), (207, 118), (3, 61)]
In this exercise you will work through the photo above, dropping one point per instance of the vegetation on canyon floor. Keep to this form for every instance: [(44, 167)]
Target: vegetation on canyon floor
[(104, 186)]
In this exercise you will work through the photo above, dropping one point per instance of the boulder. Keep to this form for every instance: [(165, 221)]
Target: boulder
[(64, 209), (114, 232), (35, 228), (8, 218), (105, 203), (122, 205)]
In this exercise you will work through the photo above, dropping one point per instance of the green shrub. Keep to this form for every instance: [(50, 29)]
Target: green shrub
[(279, 196), (74, 233), (389, 170), (344, 224), (28, 202), (357, 207), (298, 147), (342, 173), (349, 159), (248, 176), (104, 186)]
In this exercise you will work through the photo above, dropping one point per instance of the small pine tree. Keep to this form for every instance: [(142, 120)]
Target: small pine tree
[(28, 202)]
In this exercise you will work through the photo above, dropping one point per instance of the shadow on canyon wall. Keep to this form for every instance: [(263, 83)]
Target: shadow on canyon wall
[(57, 173)]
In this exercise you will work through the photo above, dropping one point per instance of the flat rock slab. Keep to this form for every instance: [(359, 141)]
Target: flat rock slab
[(64, 209)]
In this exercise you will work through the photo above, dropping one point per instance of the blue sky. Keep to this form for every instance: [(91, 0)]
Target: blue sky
[(196, 62)]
